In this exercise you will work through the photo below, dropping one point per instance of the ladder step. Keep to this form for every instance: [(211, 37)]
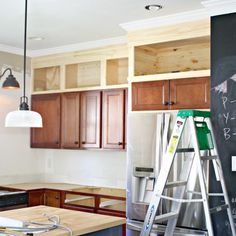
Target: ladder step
[(208, 158), (175, 184), (185, 150), (219, 208), (165, 217)]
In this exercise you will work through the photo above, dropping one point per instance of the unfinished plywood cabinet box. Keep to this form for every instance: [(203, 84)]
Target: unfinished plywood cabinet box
[(171, 57)]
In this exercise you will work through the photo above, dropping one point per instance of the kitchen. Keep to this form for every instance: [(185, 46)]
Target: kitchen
[(86, 167)]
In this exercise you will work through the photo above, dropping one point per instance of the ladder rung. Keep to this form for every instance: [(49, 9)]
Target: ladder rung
[(215, 194), (165, 217), (180, 200), (219, 208), (175, 184), (185, 150), (208, 158)]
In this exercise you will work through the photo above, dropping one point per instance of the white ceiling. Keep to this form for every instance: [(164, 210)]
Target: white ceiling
[(65, 22)]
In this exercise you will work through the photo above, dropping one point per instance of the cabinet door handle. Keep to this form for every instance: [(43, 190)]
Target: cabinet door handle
[(166, 103), (76, 142), (120, 143), (57, 142), (171, 103), (57, 197), (83, 142)]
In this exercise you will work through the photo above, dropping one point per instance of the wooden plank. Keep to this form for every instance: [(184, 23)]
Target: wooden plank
[(166, 33)]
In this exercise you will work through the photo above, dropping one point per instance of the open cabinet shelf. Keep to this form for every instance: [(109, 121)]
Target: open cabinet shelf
[(47, 78), (85, 74), (117, 71), (94, 69), (192, 54)]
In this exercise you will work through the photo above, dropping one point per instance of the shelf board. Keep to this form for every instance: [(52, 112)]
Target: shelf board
[(167, 76)]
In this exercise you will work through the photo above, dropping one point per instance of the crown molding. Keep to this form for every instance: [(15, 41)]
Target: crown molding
[(219, 7), (13, 50), (79, 46), (165, 20)]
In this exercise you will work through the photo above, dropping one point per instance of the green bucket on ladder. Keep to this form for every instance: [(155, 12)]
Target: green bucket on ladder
[(203, 135)]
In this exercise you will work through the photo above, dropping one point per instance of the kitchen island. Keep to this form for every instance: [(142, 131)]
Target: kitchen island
[(80, 223)]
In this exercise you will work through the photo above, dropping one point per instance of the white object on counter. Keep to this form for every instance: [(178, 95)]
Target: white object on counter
[(8, 222)]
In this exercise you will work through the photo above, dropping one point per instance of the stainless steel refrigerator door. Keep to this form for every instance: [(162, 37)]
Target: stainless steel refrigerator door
[(141, 153)]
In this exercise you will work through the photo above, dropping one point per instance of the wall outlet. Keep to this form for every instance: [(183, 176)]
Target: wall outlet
[(233, 165)]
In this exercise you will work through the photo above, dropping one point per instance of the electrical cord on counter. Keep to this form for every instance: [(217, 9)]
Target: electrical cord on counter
[(44, 227)]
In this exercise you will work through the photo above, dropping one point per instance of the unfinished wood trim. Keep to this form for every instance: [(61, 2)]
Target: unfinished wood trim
[(184, 30)]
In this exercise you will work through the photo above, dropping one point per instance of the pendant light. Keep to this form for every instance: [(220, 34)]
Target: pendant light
[(24, 117)]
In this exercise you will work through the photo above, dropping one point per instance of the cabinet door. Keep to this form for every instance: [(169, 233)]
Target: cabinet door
[(113, 119), (70, 120), (150, 95), (52, 198), (35, 198), (49, 107), (90, 117), (190, 93)]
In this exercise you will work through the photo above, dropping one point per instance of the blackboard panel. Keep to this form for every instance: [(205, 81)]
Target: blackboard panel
[(223, 108)]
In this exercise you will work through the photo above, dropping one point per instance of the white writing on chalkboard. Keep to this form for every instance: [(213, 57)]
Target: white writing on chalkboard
[(227, 117)]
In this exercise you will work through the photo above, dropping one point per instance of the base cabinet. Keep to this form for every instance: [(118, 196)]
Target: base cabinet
[(44, 197), (35, 198)]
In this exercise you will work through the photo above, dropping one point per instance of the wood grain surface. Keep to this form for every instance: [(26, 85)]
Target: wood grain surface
[(79, 222)]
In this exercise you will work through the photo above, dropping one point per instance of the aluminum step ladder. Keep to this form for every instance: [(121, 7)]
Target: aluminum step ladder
[(202, 139)]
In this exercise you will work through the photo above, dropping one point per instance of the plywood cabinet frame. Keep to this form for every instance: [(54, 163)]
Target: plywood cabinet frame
[(101, 56)]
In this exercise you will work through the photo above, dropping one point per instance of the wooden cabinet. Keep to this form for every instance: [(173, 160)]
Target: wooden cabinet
[(173, 94), (190, 93), (114, 119), (50, 108), (52, 198), (78, 120), (90, 119), (150, 95), (70, 119), (44, 197), (35, 198)]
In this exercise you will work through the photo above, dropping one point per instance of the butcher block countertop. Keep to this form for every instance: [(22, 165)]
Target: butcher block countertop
[(70, 187), (34, 186), (79, 222)]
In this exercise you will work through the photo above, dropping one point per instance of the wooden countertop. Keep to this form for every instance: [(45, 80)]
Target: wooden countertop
[(34, 186), (79, 222), (70, 187)]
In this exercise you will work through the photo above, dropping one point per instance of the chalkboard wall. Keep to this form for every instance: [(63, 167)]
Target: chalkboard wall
[(223, 107)]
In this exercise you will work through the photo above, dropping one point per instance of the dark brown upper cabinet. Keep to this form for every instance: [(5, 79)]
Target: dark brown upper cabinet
[(49, 106), (70, 120), (90, 119), (190, 93), (113, 129)]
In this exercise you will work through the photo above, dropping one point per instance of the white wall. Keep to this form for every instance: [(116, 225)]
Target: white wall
[(17, 161), (86, 167), (20, 163)]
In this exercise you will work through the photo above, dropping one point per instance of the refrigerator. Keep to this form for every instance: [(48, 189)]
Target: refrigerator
[(147, 139)]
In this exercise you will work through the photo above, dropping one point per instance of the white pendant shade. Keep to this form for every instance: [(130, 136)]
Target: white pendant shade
[(22, 118)]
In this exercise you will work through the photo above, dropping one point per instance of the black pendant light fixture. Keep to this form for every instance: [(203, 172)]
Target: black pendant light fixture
[(23, 117), (10, 82)]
